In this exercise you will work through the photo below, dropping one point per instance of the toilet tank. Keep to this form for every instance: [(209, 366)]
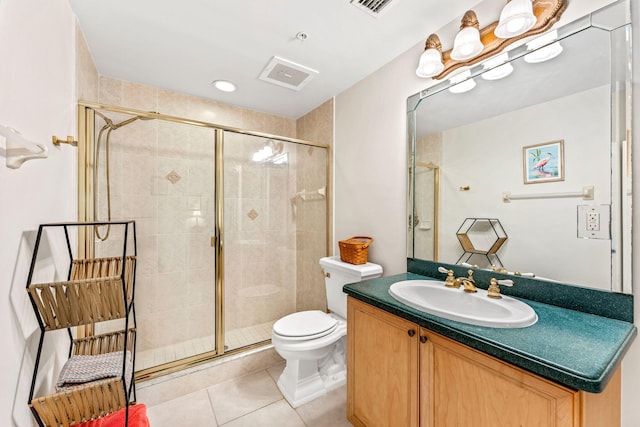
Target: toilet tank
[(338, 274)]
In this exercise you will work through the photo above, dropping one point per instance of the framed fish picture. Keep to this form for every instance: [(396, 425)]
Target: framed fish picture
[(543, 162)]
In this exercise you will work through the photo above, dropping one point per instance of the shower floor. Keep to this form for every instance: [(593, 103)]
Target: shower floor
[(234, 339)]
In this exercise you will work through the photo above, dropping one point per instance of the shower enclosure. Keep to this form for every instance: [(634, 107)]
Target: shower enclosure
[(230, 223)]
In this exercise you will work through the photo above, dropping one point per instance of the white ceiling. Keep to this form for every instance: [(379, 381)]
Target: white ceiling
[(185, 45)]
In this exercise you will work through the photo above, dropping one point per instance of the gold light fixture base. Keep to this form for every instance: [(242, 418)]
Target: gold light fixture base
[(547, 13)]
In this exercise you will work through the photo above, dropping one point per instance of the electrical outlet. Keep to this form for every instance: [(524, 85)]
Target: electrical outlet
[(593, 221)]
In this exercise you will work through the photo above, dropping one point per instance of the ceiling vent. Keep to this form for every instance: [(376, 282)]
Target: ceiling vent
[(372, 7), (287, 74)]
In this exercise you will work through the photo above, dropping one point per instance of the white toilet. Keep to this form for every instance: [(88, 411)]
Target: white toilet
[(313, 343)]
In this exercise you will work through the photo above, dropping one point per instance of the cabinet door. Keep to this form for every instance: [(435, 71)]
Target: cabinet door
[(463, 387), (382, 368)]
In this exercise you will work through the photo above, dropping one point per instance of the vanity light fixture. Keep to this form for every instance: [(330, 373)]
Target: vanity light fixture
[(224, 85), (489, 41), (462, 82), (467, 43), (516, 18), (544, 48), (497, 68), (431, 59)]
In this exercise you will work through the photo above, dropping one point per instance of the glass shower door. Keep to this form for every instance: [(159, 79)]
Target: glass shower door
[(259, 237), (275, 222), (162, 175)]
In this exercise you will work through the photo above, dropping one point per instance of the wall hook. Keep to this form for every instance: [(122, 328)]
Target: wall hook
[(18, 149)]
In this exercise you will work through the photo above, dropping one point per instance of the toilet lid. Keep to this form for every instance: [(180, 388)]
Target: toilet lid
[(305, 325)]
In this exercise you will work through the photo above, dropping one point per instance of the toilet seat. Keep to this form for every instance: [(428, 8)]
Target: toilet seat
[(305, 325)]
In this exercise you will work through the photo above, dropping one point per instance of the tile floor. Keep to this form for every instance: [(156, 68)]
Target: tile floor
[(251, 400)]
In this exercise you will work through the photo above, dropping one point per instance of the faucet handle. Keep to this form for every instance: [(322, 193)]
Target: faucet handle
[(494, 289), (450, 281), (441, 269), (505, 282)]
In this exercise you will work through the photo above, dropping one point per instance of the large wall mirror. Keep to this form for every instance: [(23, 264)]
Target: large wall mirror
[(531, 172)]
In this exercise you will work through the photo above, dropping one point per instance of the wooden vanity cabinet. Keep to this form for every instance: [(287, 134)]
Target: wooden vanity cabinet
[(399, 374)]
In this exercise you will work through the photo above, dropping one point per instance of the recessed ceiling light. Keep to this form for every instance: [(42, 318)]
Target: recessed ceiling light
[(224, 85)]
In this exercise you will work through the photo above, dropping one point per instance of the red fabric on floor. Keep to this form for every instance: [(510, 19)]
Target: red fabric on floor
[(137, 418)]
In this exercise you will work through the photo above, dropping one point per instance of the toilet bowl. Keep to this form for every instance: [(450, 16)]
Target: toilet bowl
[(313, 343)]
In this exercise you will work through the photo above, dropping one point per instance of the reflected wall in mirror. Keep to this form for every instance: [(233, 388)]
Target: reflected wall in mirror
[(476, 139)]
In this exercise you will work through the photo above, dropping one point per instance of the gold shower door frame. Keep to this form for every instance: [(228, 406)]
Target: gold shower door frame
[(86, 153)]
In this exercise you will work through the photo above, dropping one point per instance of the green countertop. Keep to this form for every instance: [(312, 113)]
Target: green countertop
[(576, 349)]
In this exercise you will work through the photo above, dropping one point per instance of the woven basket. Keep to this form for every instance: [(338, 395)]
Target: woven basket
[(94, 293), (91, 400), (355, 250)]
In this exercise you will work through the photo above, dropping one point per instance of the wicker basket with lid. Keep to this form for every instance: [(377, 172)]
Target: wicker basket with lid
[(355, 250)]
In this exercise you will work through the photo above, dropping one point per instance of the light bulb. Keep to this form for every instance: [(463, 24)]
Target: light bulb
[(516, 18)]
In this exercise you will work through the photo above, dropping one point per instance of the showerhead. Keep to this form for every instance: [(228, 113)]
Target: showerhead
[(113, 126)]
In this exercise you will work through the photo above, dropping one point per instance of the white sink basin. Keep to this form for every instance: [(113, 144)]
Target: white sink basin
[(433, 297)]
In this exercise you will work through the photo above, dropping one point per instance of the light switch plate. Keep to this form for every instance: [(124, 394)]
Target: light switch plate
[(594, 222)]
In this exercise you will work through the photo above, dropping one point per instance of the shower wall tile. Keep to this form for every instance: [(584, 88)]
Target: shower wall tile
[(201, 285), (87, 79), (176, 171), (147, 263), (145, 288), (201, 143), (111, 91), (171, 290), (201, 180), (210, 111), (145, 133), (172, 252), (201, 254), (429, 149), (311, 222), (251, 227), (146, 228), (253, 183), (280, 126), (169, 327), (139, 97), (201, 321), (253, 120), (173, 103), (173, 140), (172, 215), (136, 206), (134, 166), (317, 125)]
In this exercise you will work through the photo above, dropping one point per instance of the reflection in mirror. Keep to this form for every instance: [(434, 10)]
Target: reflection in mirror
[(543, 150), (425, 216)]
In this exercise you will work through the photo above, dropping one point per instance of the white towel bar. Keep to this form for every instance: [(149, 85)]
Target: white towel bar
[(586, 194)]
